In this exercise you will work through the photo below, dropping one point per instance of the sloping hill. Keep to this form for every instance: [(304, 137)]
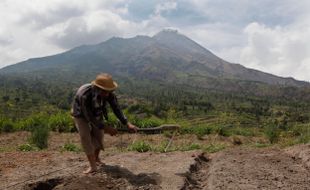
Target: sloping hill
[(167, 56)]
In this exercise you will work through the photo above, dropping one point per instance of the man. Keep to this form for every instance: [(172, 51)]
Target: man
[(88, 110)]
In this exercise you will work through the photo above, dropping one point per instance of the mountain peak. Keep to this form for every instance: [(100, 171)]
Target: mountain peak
[(168, 33), (176, 41)]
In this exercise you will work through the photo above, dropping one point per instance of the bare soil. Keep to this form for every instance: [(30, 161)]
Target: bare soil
[(237, 167), (248, 168)]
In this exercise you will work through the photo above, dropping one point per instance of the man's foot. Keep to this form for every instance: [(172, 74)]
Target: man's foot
[(90, 170)]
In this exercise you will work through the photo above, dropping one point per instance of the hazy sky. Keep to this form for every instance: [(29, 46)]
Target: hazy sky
[(269, 35)]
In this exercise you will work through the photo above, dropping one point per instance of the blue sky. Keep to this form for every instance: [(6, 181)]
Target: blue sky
[(269, 35)]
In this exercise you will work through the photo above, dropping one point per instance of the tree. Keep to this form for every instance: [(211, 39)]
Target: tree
[(6, 98)]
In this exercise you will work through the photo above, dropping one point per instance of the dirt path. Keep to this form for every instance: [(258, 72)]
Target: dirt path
[(245, 169)]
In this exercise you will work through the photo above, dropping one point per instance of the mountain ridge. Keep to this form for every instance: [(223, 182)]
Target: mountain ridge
[(168, 55)]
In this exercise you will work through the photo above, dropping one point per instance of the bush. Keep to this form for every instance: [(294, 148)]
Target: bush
[(146, 122), (6, 126), (224, 130), (272, 132), (71, 147), (304, 138), (162, 147), (32, 122), (202, 131), (140, 146), (26, 147), (199, 131), (304, 134), (61, 122), (39, 136)]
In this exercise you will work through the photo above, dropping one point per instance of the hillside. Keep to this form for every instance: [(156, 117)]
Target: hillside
[(167, 57), (168, 71)]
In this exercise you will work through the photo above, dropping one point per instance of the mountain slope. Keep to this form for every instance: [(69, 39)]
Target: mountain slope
[(167, 56)]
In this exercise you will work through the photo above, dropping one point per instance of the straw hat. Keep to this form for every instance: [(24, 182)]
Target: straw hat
[(105, 82)]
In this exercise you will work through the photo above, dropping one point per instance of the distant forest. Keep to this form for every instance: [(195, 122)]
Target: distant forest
[(22, 97)]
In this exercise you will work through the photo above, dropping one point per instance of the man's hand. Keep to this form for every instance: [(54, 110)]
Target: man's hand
[(132, 128)]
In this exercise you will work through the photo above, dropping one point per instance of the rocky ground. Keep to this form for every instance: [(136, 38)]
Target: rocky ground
[(238, 167)]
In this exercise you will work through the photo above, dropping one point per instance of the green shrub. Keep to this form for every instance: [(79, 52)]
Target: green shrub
[(199, 130), (224, 130), (305, 136), (26, 147), (32, 122), (61, 122), (140, 146), (272, 132), (202, 131), (39, 136), (6, 125), (298, 130), (71, 147), (162, 147), (146, 122)]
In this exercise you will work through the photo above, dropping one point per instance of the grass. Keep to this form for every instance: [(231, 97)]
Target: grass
[(189, 147), (61, 122), (220, 128), (39, 137), (272, 133), (140, 146), (27, 148), (70, 147), (143, 146), (6, 126), (7, 149), (261, 145), (212, 148)]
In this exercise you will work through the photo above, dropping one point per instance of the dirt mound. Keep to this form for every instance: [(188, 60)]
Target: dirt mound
[(302, 152), (245, 168), (197, 174)]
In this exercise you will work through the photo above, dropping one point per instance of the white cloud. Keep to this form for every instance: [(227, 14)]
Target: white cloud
[(37, 28), (268, 35), (165, 7), (283, 51), (91, 28)]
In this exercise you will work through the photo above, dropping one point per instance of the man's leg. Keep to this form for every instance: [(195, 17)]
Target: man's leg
[(98, 161), (97, 141), (92, 164), (86, 141)]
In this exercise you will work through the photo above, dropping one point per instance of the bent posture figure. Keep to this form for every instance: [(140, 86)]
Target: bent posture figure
[(89, 111)]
